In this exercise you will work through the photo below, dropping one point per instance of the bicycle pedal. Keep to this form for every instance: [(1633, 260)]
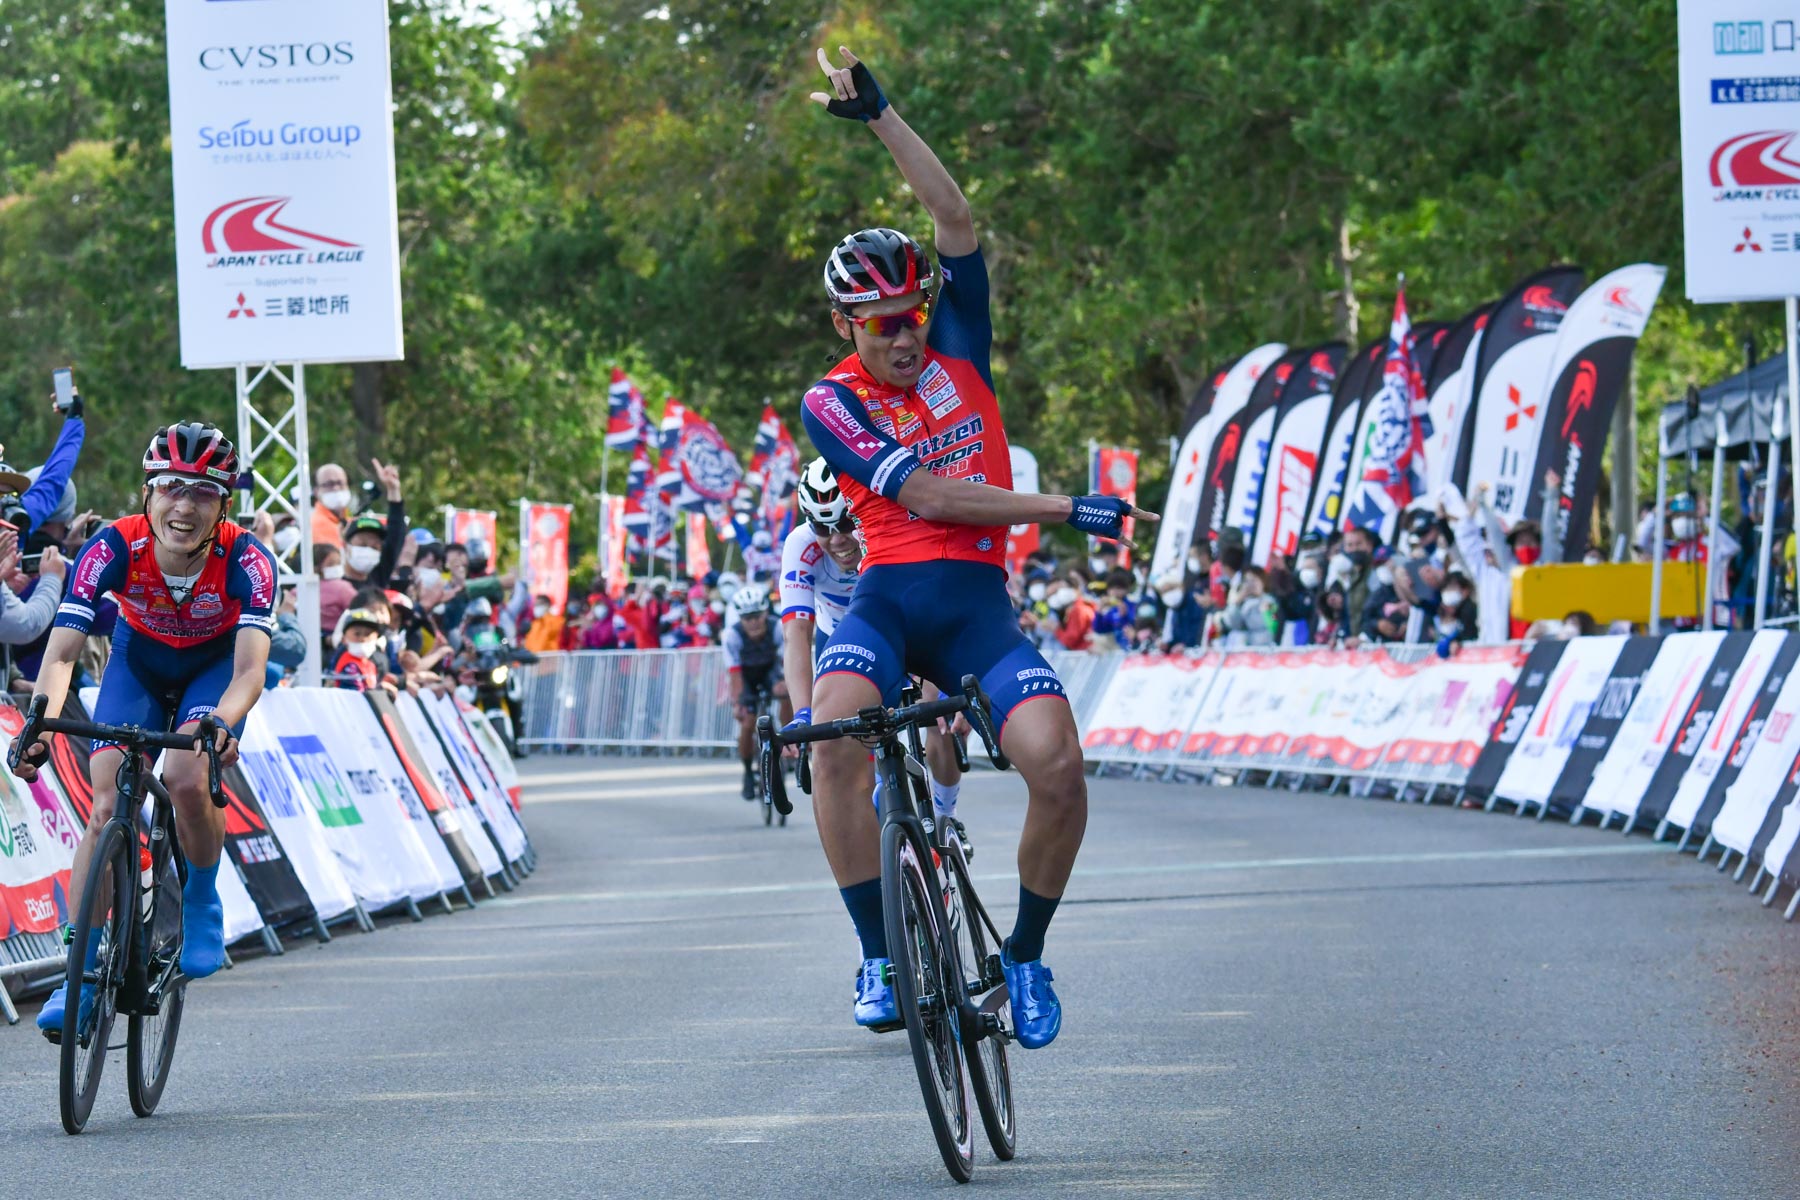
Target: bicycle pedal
[(53, 1036), (886, 1027)]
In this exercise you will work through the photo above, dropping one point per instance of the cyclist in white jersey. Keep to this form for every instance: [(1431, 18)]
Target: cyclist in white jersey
[(819, 564)]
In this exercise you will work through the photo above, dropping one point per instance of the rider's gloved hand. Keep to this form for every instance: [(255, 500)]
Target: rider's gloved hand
[(1099, 516), (866, 104), (802, 716)]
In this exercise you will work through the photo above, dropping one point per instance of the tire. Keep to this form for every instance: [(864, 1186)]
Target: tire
[(916, 948), (502, 727), (150, 1040), (989, 1075), (100, 917)]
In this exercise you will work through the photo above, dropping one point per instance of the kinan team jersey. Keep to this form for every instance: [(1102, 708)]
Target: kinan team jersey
[(236, 587), (875, 436)]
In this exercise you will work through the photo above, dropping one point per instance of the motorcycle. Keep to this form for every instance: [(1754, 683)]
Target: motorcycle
[(494, 682)]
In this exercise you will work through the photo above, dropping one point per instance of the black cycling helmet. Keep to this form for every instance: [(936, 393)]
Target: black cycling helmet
[(872, 264), (193, 448)]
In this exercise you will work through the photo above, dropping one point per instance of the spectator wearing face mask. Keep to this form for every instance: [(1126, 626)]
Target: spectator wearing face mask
[(1184, 620), (1116, 612), (286, 540), (1074, 613), (1455, 619), (1352, 568), (546, 630), (331, 505), (1386, 613), (602, 630), (1687, 543), (372, 544), (357, 665), (335, 591), (1330, 626), (1251, 616), (1300, 598)]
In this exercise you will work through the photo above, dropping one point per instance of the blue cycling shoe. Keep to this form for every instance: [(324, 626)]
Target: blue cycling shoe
[(1036, 1012), (875, 1007), (202, 937), (50, 1017)]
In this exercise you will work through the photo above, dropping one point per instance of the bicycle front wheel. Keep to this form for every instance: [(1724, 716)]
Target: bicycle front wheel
[(103, 920), (989, 1074), (150, 1039), (925, 990)]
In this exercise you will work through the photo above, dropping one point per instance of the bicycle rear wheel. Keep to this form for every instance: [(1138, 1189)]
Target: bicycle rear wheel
[(105, 917), (989, 1076), (925, 987), (150, 1040)]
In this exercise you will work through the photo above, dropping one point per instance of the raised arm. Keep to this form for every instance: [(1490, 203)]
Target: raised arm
[(855, 95)]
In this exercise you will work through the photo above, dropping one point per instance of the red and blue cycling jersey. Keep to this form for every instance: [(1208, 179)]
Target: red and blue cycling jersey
[(235, 589), (875, 436)]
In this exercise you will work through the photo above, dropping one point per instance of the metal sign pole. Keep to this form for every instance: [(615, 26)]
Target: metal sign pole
[(1763, 562), (291, 492), (1713, 519), (1656, 535)]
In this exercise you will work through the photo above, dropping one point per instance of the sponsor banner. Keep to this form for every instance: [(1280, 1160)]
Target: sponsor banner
[(293, 818), (615, 565), (1293, 457), (1021, 540), (544, 532), (472, 767), (286, 231), (1542, 750), (1665, 701), (1220, 439), (494, 754), (38, 836), (474, 527), (1734, 728), (1181, 511), (1449, 395), (1353, 710), (375, 861), (1740, 149), (450, 782), (1499, 443), (462, 834), (1363, 439), (1395, 428), (1115, 473), (1695, 720), (1587, 375), (1513, 718), (1762, 786), (1244, 498), (1325, 505), (1232, 440)]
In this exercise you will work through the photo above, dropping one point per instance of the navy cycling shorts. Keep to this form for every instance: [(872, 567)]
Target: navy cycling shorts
[(147, 682), (941, 620)]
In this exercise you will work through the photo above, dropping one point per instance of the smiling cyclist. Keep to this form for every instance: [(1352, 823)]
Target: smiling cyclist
[(196, 596), (910, 425)]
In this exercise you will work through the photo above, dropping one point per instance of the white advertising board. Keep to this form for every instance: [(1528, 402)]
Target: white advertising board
[(286, 231), (1740, 148)]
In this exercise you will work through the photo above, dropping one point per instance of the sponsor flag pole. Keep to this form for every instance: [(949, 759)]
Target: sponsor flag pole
[(1763, 561), (1793, 404), (1712, 533), (1657, 547)]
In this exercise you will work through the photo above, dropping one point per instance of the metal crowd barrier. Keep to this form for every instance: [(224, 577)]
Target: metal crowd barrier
[(675, 700)]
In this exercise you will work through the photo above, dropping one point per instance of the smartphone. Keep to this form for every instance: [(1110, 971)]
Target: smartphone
[(64, 379)]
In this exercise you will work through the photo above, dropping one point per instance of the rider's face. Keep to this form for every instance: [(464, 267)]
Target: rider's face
[(183, 517), (754, 623), (845, 549), (897, 360)]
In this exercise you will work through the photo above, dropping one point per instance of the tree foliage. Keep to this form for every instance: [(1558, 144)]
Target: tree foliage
[(1159, 186)]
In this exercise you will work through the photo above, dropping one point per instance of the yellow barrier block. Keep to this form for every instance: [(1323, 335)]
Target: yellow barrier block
[(1606, 591)]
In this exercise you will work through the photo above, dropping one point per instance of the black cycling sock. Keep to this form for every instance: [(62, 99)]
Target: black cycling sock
[(864, 902), (1027, 941)]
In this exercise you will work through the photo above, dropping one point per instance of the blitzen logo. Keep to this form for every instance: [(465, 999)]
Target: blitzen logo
[(1757, 166), (250, 233)]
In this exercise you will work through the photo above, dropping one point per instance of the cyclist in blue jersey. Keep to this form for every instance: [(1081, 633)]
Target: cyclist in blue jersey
[(196, 596), (910, 425)]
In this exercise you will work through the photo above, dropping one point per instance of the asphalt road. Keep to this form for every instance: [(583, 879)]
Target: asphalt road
[(1265, 994)]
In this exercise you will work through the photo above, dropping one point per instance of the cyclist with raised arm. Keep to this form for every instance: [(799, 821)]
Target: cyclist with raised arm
[(910, 425), (196, 596), (753, 660), (820, 561)]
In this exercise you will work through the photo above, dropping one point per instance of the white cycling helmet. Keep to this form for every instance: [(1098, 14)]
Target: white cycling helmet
[(822, 502), (750, 600)]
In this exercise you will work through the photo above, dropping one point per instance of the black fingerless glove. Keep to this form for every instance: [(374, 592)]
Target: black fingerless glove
[(1098, 516), (868, 102)]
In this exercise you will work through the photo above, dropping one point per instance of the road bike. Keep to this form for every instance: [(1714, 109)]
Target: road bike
[(762, 708), (131, 913), (942, 943)]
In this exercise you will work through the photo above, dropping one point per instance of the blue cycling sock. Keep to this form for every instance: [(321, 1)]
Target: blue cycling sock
[(202, 885), (864, 902), (1027, 941)]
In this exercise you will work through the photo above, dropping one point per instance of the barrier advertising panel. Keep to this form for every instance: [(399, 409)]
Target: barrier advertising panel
[(1665, 698)]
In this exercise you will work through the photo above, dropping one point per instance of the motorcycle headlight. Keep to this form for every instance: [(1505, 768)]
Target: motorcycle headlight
[(497, 676)]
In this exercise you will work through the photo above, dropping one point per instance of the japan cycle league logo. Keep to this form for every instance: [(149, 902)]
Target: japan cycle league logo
[(256, 232)]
